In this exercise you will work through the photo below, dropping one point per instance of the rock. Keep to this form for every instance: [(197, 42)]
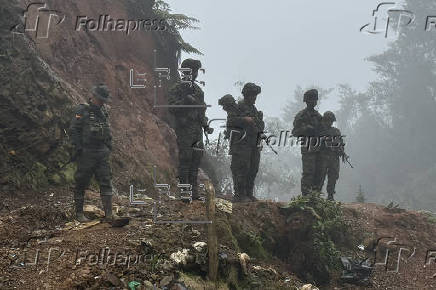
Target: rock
[(200, 246), (181, 257), (148, 285), (195, 233), (167, 266), (93, 212), (244, 259), (146, 247), (166, 280), (223, 256), (114, 280), (309, 287), (223, 205)]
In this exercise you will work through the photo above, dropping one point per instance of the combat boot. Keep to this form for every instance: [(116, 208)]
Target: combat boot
[(236, 197), (79, 211), (106, 200), (330, 197)]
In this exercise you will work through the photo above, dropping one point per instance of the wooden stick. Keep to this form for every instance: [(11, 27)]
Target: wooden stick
[(211, 233)]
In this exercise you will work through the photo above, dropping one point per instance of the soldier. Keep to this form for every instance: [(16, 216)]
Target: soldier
[(92, 142), (191, 120), (229, 105), (247, 125), (306, 126), (332, 146)]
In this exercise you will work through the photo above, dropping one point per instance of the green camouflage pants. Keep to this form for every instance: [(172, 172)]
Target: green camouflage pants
[(329, 166), (311, 172), (191, 150), (89, 163), (244, 166)]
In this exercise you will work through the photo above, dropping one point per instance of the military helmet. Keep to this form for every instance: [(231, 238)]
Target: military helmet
[(227, 99), (251, 88), (328, 115), (193, 64), (310, 95), (101, 92)]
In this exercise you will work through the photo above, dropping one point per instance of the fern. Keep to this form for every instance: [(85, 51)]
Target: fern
[(176, 23)]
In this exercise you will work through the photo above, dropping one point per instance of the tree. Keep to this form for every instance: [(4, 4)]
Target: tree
[(360, 195)]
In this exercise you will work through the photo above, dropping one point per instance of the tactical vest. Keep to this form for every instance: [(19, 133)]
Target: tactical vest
[(96, 129)]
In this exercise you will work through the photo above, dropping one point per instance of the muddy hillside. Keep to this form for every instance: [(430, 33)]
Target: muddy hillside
[(45, 73)]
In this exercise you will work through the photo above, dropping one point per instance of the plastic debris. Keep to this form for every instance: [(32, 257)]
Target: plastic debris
[(133, 284)]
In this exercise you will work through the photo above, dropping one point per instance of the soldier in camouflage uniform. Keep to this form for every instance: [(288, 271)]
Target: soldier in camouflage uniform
[(229, 105), (191, 120), (246, 124), (307, 126), (332, 147), (92, 142)]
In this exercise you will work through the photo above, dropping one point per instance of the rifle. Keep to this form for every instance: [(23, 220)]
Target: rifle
[(263, 137), (346, 158), (206, 135)]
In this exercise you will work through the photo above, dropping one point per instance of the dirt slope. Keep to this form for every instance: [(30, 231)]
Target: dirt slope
[(42, 79), (35, 225)]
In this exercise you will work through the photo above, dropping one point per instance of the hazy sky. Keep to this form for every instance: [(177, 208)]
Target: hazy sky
[(279, 45)]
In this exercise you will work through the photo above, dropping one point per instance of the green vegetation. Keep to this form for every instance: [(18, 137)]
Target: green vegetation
[(360, 195), (176, 23), (326, 231)]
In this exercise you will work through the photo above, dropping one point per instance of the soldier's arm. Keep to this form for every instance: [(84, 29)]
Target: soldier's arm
[(76, 127), (175, 95), (339, 142), (260, 123), (299, 126), (109, 139)]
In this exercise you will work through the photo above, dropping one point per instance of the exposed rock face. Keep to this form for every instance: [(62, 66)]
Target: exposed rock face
[(42, 79)]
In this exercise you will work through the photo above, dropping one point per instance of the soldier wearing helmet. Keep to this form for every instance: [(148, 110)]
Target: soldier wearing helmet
[(306, 127), (331, 148), (246, 124), (92, 142), (229, 105), (189, 110)]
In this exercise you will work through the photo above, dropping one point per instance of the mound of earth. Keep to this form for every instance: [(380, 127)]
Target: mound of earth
[(262, 245)]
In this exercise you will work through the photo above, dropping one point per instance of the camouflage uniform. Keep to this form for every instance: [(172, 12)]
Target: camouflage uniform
[(244, 145), (331, 148), (190, 122), (306, 126), (92, 141), (229, 105)]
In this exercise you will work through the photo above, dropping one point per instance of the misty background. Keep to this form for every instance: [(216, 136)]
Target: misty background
[(381, 89)]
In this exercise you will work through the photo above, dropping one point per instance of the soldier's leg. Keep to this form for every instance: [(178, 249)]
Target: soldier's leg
[(82, 177), (308, 175), (239, 172), (197, 155), (184, 144), (254, 168), (103, 174), (333, 175), (322, 171)]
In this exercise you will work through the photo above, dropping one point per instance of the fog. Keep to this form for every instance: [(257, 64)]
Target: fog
[(289, 46), (280, 45)]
